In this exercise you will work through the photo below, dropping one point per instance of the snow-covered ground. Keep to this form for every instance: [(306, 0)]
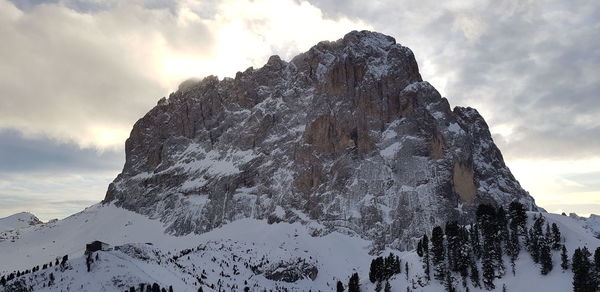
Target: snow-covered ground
[(591, 223), (242, 253), (17, 221), (41, 243)]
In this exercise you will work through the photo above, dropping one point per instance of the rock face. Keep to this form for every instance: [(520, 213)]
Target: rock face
[(346, 136)]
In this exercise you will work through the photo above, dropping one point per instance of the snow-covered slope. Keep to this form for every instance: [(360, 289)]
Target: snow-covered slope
[(23, 248), (17, 221), (245, 253), (591, 223)]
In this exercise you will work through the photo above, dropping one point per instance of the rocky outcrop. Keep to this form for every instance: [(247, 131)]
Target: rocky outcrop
[(346, 135), (291, 271)]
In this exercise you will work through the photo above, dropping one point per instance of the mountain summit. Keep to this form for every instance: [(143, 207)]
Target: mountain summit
[(345, 137), (19, 220)]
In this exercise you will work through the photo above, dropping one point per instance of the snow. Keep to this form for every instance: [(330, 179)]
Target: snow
[(321, 71), (197, 200), (390, 151), (591, 223), (239, 252), (248, 239), (279, 212), (41, 243), (455, 128), (19, 220)]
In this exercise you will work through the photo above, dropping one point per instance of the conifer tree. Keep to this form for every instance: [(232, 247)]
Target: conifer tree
[(556, 237), (374, 270), (564, 258), (155, 287), (518, 217), (545, 258), (437, 253), (597, 260), (596, 269), (453, 246), (390, 267), (582, 277), (388, 287), (449, 283), (502, 238), (340, 286), (420, 248), (463, 261), (513, 248), (378, 286), (354, 283), (487, 260), (486, 218), (536, 237), (502, 223), (548, 235), (426, 267), (475, 242)]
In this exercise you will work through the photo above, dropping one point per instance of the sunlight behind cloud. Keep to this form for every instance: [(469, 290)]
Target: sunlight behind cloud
[(246, 33), (100, 71)]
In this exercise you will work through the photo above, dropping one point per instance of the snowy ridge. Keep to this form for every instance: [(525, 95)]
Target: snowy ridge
[(17, 221), (591, 223)]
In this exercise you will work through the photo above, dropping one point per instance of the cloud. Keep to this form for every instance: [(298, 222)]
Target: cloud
[(20, 154), (85, 70), (529, 66), (76, 74), (532, 68), (51, 178), (81, 72)]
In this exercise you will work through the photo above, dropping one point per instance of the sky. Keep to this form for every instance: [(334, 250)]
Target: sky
[(76, 74)]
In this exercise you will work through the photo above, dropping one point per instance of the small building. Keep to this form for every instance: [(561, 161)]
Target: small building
[(96, 246)]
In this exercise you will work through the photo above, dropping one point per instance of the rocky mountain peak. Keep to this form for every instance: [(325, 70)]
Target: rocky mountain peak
[(345, 137)]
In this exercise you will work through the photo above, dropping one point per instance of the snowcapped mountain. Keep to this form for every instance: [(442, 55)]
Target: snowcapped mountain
[(290, 177), (17, 221), (592, 223), (347, 135)]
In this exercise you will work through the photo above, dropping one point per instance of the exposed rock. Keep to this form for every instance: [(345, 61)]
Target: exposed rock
[(346, 134), (291, 271)]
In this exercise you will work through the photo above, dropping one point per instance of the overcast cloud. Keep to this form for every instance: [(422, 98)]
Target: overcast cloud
[(80, 72)]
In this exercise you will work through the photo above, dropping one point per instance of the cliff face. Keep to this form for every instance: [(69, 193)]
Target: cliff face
[(345, 137)]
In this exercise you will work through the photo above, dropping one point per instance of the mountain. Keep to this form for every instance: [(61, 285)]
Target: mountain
[(591, 223), (347, 135), (295, 176), (17, 221)]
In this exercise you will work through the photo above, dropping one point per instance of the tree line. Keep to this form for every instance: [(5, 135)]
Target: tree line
[(476, 253), (4, 279)]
